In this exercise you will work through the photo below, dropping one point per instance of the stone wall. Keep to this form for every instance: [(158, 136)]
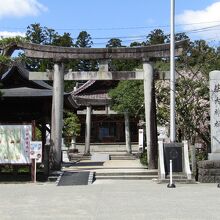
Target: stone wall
[(209, 171)]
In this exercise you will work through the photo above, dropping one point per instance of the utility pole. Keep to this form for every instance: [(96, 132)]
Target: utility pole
[(172, 73)]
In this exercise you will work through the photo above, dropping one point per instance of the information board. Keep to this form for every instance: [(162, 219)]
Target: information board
[(15, 144), (36, 151)]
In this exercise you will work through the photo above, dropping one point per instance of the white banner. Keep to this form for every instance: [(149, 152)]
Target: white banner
[(15, 144)]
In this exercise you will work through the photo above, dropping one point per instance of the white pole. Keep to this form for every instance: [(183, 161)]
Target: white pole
[(172, 73), (35, 170), (171, 173)]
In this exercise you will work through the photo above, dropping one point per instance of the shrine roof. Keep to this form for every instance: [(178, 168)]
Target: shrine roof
[(25, 92), (82, 88), (94, 92), (18, 76), (16, 84)]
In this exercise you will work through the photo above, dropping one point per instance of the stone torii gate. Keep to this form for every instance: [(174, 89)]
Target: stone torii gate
[(103, 55)]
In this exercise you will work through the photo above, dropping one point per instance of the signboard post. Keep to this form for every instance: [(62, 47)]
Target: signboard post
[(33, 170), (35, 156)]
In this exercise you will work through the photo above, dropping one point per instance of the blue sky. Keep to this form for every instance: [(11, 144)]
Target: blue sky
[(111, 18)]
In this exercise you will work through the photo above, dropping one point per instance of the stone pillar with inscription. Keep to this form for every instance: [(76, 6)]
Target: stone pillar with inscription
[(215, 114), (209, 170)]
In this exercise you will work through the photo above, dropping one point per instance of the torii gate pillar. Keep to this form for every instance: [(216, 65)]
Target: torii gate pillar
[(57, 116), (149, 114)]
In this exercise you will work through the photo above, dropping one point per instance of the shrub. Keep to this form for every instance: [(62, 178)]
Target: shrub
[(143, 158)]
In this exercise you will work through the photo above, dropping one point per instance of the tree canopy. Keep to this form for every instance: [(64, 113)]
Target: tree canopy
[(128, 96)]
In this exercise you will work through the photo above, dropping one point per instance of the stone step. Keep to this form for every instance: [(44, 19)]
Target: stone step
[(74, 158), (177, 177), (121, 154), (185, 181), (78, 157), (125, 177), (121, 158), (54, 176), (125, 173)]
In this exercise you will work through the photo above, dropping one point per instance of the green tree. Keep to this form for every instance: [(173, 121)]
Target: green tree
[(64, 40), (39, 35), (6, 52), (128, 97), (180, 36), (136, 44), (114, 42), (120, 65), (48, 36), (192, 93), (84, 40), (156, 36), (36, 34), (71, 127), (45, 36)]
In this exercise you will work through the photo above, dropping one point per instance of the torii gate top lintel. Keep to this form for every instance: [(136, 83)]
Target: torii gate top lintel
[(61, 53)]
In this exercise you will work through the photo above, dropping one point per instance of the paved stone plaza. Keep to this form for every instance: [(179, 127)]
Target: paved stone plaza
[(104, 200)]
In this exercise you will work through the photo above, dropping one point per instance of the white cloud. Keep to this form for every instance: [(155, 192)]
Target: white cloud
[(197, 19), (4, 34), (20, 8)]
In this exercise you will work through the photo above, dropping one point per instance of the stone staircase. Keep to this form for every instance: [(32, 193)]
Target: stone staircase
[(120, 166), (126, 174), (121, 172), (112, 156)]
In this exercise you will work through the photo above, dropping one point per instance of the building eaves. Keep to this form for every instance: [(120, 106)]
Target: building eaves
[(24, 73)]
